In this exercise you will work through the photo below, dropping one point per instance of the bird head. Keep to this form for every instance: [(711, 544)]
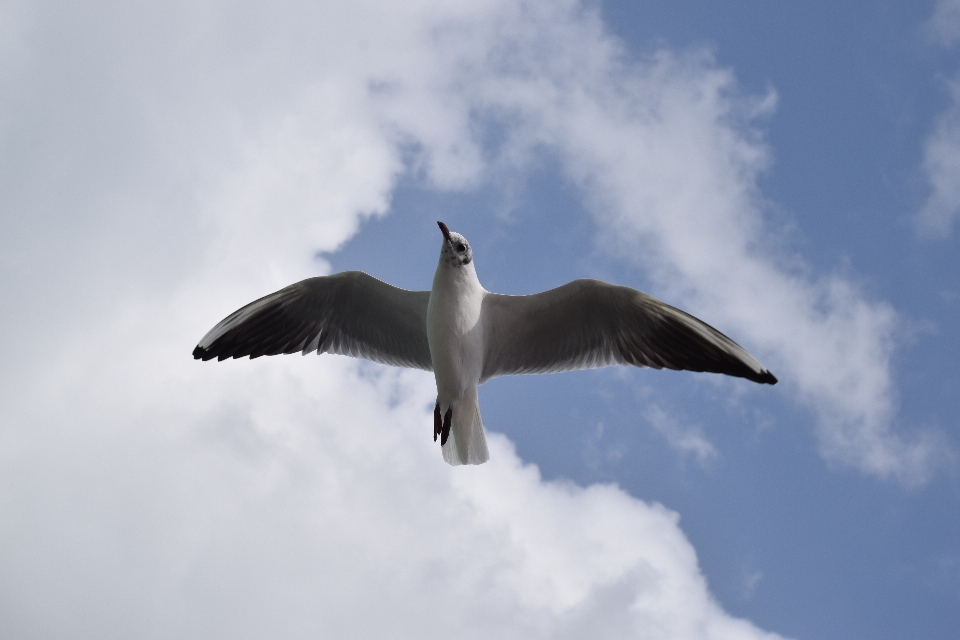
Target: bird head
[(455, 250)]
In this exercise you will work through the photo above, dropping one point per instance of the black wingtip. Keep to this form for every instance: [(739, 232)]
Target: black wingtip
[(199, 353), (766, 377)]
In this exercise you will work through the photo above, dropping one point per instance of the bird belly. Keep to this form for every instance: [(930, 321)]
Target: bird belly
[(456, 349)]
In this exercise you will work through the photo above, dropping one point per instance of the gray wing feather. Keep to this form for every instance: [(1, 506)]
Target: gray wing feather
[(588, 323), (349, 313)]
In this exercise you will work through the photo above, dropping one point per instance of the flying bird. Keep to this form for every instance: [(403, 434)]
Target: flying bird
[(467, 335)]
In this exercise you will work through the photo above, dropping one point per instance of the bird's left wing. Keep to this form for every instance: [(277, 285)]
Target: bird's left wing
[(588, 323), (349, 313)]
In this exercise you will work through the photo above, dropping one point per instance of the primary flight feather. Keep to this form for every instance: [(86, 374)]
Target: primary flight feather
[(467, 335)]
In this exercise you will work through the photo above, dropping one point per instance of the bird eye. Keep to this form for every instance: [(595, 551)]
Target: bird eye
[(461, 248)]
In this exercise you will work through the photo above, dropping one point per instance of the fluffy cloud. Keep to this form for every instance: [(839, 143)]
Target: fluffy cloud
[(164, 162), (303, 498), (941, 163), (944, 26), (941, 158), (667, 154), (684, 438), (265, 115)]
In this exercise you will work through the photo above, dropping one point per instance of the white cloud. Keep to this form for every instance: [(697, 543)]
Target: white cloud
[(667, 154), (944, 25), (150, 495), (682, 437), (164, 162), (665, 150), (941, 157), (941, 163)]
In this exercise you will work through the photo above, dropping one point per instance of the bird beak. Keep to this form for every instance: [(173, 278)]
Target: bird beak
[(446, 232)]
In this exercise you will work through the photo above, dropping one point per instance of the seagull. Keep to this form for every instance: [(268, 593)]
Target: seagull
[(467, 335)]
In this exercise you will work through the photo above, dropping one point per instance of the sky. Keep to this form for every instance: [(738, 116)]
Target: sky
[(787, 172)]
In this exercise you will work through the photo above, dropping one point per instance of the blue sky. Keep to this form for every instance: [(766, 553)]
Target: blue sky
[(786, 172)]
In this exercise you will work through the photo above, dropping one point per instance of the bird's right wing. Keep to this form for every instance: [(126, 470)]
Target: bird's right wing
[(349, 313), (588, 323)]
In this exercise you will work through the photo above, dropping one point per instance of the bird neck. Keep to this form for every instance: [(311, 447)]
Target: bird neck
[(456, 278)]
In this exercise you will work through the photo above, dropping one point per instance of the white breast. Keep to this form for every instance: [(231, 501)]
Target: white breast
[(454, 331)]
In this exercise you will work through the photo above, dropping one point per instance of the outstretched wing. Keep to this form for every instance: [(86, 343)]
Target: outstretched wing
[(588, 323), (349, 313)]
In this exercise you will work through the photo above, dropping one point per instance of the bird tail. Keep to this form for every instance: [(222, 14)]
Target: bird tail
[(467, 443)]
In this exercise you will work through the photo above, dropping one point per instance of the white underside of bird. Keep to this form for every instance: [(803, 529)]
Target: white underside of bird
[(467, 335), (455, 335)]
